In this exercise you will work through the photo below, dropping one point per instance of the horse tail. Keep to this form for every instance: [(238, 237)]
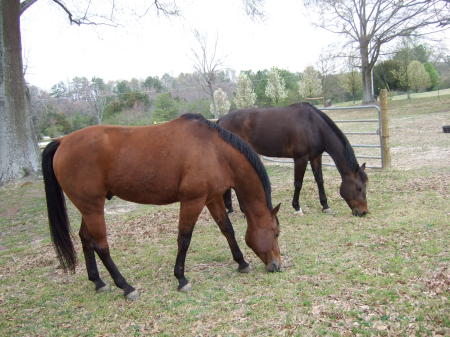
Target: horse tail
[(57, 211)]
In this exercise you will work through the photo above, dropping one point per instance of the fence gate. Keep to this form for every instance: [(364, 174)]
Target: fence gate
[(364, 132)]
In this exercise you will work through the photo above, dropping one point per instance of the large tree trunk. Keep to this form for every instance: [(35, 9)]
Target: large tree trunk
[(19, 153), (366, 72)]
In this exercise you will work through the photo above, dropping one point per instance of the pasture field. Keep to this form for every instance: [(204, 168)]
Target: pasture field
[(387, 274)]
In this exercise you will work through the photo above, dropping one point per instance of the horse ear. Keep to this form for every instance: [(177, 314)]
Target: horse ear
[(363, 167), (276, 209)]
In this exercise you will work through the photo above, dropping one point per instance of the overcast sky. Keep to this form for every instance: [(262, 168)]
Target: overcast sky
[(56, 51), (148, 45)]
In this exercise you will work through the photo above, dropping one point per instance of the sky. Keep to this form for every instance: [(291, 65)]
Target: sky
[(152, 45)]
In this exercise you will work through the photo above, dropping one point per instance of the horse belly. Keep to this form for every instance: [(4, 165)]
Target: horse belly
[(147, 188)]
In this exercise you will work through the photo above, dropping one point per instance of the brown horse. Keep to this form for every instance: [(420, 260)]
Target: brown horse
[(189, 159), (302, 132)]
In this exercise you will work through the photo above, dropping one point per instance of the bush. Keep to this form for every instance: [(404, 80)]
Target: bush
[(54, 124), (80, 121)]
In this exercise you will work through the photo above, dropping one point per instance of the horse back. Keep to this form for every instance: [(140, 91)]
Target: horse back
[(291, 131)]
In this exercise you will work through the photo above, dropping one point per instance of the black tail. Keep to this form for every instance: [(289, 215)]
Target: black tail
[(57, 212)]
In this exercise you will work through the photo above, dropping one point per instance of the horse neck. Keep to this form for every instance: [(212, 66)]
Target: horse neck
[(250, 192), (335, 148)]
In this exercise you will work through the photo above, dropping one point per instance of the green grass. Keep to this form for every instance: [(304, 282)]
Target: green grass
[(383, 275)]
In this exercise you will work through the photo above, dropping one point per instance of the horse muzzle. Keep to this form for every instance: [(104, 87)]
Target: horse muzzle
[(358, 212), (273, 266)]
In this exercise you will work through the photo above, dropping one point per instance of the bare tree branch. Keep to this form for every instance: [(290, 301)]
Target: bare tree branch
[(83, 20), (167, 9), (254, 9), (25, 5), (207, 66)]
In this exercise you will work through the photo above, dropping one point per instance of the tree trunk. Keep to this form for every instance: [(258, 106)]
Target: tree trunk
[(19, 153), (366, 72)]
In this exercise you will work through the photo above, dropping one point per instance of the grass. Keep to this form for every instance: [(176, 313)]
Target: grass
[(386, 274)]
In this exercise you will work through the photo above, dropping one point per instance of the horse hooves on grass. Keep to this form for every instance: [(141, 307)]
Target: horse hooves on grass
[(134, 295), (299, 212), (186, 288), (329, 211), (103, 289), (244, 270)]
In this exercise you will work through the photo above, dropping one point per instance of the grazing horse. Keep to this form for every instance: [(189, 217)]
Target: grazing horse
[(190, 160), (302, 132)]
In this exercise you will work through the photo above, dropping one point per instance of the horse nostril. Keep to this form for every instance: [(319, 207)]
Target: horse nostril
[(273, 267)]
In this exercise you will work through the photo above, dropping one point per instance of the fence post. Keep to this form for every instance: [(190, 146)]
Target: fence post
[(385, 129)]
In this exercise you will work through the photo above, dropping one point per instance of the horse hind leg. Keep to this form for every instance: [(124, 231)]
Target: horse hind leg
[(96, 227), (228, 200), (89, 257), (218, 212), (316, 166)]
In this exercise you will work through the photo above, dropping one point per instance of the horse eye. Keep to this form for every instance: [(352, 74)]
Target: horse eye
[(277, 235)]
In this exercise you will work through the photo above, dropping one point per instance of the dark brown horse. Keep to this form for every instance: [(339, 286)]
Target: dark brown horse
[(302, 132), (189, 159)]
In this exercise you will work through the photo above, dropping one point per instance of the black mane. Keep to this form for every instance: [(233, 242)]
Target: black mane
[(242, 147), (349, 154)]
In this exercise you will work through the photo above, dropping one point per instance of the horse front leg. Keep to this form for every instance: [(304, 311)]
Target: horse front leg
[(316, 166), (299, 173), (96, 227), (218, 212), (189, 213)]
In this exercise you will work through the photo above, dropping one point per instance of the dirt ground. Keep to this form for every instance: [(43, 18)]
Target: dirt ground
[(419, 141)]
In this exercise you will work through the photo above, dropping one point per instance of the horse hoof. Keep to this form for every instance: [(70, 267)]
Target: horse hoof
[(328, 211), (244, 270), (103, 289), (186, 288), (134, 295), (299, 212)]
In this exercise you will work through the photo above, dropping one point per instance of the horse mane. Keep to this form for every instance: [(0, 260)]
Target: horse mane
[(242, 147), (349, 154)]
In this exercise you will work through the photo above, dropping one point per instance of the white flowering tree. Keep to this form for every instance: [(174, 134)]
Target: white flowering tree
[(276, 88), (245, 95), (418, 78), (222, 104), (310, 85)]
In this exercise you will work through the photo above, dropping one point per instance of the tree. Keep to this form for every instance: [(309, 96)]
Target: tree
[(276, 88), (166, 108), (245, 95), (58, 90), (433, 73), (418, 77), (310, 86), (153, 83), (221, 104), (369, 25), (19, 153), (383, 75), (326, 66), (97, 98), (207, 66), (404, 56), (259, 81), (351, 81)]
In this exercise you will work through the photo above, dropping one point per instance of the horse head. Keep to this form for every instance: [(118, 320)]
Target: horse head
[(353, 190), (263, 240)]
